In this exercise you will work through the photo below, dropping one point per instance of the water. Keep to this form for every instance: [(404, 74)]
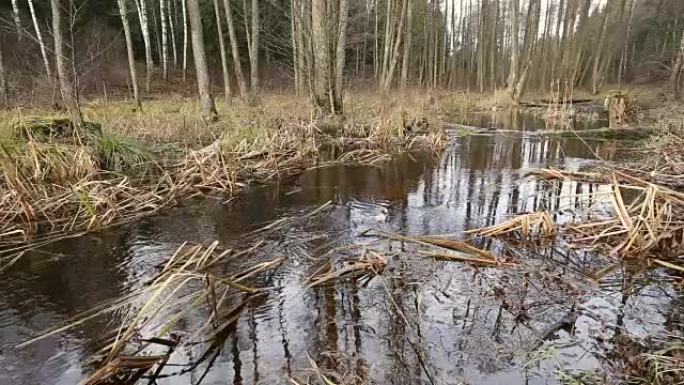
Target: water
[(521, 120), (423, 321)]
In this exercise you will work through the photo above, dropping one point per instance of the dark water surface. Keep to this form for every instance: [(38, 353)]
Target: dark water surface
[(458, 324)]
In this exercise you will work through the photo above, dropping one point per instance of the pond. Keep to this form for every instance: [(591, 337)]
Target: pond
[(421, 321)]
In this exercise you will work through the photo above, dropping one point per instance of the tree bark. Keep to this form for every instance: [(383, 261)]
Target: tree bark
[(237, 63), (254, 47), (222, 52), (172, 31), (4, 97), (165, 40), (123, 11), (209, 112), (145, 30), (513, 72), (65, 83), (17, 19), (596, 72), (407, 45), (676, 72), (39, 36), (185, 40), (343, 14)]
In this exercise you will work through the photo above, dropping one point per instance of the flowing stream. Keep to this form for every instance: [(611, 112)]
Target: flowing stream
[(420, 322)]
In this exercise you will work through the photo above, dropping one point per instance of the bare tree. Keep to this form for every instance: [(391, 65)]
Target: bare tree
[(3, 75), (209, 112), (237, 64), (515, 36), (17, 18), (343, 16), (141, 6), (327, 29), (123, 11), (598, 49), (171, 9), (677, 67), (65, 83), (222, 47), (406, 59), (39, 37), (165, 39), (254, 46), (185, 39)]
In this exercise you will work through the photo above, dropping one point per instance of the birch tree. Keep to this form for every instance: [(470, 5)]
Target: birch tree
[(65, 82), (164, 39), (222, 48), (209, 112), (141, 6), (41, 42), (123, 11), (185, 39)]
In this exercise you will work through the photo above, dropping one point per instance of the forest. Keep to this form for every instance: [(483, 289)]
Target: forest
[(338, 192)]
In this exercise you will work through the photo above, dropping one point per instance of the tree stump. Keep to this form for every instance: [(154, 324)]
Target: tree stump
[(621, 110)]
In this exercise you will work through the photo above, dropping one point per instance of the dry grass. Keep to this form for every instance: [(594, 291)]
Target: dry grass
[(526, 226)]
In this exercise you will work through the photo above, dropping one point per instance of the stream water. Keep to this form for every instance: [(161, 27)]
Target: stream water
[(422, 321)]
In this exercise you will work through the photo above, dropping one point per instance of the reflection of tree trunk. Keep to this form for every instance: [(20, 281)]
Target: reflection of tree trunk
[(65, 83), (208, 108)]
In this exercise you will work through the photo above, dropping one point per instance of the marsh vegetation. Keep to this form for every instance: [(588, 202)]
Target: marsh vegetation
[(341, 192)]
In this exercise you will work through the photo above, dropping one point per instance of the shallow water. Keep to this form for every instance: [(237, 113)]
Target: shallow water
[(422, 321), (522, 120)]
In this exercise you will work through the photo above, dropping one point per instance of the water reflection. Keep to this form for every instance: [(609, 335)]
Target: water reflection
[(423, 322), (524, 120)]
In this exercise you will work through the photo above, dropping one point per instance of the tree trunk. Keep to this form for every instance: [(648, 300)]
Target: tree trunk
[(320, 55), (237, 64), (254, 46), (65, 83), (185, 40), (4, 97), (145, 29), (123, 11), (39, 36), (596, 72), (343, 15), (165, 40), (394, 58), (513, 72), (17, 19), (222, 52), (407, 46), (208, 108), (677, 69), (172, 31)]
